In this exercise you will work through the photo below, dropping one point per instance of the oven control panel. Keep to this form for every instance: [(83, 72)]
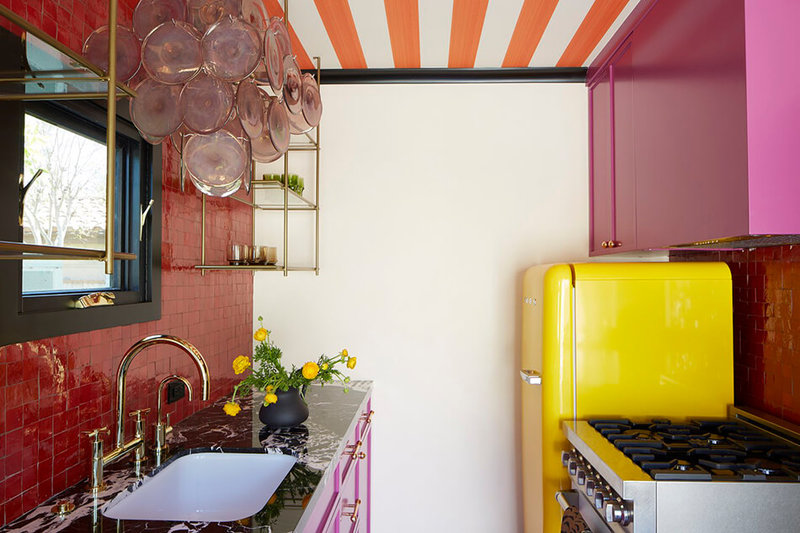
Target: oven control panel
[(591, 485)]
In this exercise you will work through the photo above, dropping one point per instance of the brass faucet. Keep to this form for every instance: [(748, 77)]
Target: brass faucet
[(137, 443)]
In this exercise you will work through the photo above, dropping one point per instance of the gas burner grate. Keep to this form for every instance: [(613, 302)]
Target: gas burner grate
[(678, 470), (702, 449)]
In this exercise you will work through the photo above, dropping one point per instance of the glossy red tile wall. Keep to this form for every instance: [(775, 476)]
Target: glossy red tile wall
[(766, 325), (54, 388)]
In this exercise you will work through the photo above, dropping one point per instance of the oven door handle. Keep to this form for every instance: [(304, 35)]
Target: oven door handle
[(531, 377), (566, 499)]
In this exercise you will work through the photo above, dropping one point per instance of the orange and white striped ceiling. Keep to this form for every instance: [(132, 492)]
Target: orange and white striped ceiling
[(451, 33)]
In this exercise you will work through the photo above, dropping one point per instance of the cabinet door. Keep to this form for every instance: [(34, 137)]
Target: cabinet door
[(690, 122), (332, 525), (322, 514), (601, 198), (613, 185), (363, 483), (624, 210), (350, 506)]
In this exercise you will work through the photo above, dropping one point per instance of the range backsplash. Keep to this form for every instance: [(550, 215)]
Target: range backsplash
[(766, 291), (52, 389)]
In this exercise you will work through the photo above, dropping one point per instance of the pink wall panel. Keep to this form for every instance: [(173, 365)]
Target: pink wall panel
[(766, 322), (773, 111), (54, 388)]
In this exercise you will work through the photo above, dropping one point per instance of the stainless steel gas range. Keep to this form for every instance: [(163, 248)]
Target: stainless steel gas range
[(701, 475)]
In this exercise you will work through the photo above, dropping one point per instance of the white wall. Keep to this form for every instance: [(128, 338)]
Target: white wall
[(435, 199)]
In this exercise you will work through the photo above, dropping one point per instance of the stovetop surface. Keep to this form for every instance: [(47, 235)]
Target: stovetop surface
[(702, 450)]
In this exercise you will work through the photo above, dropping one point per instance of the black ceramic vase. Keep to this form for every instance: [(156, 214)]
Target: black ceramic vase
[(290, 410)]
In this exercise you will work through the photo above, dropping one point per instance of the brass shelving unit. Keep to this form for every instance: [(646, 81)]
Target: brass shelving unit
[(284, 199), (62, 74), (276, 196)]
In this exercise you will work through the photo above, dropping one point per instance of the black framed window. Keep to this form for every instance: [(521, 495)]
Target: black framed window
[(65, 206)]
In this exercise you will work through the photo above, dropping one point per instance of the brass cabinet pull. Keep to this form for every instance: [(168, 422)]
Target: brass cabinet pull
[(614, 244), (604, 244), (354, 515), (356, 450), (368, 418)]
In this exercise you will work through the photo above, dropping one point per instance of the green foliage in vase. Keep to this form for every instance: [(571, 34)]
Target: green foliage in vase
[(268, 374)]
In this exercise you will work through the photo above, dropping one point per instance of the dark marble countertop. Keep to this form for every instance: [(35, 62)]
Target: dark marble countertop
[(317, 444)]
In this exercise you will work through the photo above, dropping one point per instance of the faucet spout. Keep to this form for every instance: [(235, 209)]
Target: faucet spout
[(133, 351)]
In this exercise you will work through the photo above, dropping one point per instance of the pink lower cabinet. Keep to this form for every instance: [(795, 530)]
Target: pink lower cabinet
[(345, 503)]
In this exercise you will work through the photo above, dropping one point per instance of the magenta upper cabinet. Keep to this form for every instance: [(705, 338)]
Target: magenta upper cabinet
[(714, 117), (690, 103), (613, 200)]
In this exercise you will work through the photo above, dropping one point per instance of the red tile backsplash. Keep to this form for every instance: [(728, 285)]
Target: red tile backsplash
[(52, 389), (766, 291)]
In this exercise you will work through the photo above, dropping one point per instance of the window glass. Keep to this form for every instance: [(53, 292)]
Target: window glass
[(65, 206)]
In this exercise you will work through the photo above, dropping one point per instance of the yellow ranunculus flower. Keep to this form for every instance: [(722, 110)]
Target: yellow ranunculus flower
[(270, 398), (260, 334), (351, 363), (241, 363), (269, 388), (344, 352), (310, 370), (324, 366), (231, 408)]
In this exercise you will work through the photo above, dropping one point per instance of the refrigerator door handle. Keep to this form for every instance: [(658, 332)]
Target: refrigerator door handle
[(531, 377)]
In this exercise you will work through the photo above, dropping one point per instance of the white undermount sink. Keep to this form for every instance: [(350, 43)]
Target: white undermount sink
[(205, 487)]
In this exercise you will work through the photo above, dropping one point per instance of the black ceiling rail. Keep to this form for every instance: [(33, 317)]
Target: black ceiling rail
[(453, 75)]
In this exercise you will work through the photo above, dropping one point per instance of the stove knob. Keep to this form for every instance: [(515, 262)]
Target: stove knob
[(590, 488), (617, 512), (565, 457), (581, 477), (599, 499), (573, 467)]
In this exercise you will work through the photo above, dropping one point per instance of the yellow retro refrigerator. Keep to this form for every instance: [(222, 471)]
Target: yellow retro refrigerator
[(616, 339)]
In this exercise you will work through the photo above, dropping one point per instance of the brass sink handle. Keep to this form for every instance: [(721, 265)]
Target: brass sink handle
[(96, 484)]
